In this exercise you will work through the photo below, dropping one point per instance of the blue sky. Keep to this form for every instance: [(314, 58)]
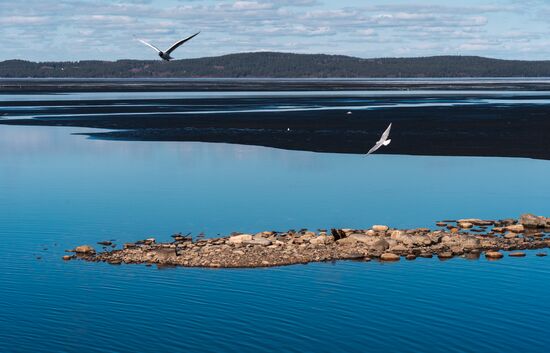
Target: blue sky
[(41, 30)]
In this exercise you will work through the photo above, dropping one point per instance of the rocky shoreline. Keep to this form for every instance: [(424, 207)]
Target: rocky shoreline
[(470, 238)]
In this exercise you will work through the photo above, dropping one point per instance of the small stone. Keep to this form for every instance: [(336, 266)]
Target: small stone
[(516, 228), (84, 249), (380, 228), (410, 257), (426, 255), (465, 225), (493, 255), (389, 257), (441, 224), (66, 257), (541, 254), (510, 235), (105, 243), (517, 254), (238, 239)]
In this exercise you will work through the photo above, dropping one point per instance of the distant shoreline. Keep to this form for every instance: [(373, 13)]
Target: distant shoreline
[(280, 65)]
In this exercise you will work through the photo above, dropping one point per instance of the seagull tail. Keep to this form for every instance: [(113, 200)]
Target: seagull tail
[(387, 142)]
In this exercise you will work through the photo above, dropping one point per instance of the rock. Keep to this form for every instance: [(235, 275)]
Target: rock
[(399, 248), (410, 257), (541, 254), (476, 221), (363, 238), (238, 239), (510, 235), (441, 224), (499, 229), (517, 254), (67, 257), (321, 239), (493, 254), (380, 228), (380, 245), (465, 225), (258, 241), (105, 243), (346, 241), (445, 255), (426, 255), (531, 221), (470, 243), (516, 228), (84, 249), (389, 257)]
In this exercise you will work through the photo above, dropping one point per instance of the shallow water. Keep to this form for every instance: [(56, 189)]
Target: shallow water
[(59, 190)]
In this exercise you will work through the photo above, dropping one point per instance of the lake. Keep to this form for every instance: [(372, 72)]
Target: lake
[(59, 190)]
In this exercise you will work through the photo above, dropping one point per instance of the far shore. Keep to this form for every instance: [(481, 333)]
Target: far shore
[(469, 238)]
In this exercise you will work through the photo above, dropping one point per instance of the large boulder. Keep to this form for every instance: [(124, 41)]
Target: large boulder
[(531, 221)]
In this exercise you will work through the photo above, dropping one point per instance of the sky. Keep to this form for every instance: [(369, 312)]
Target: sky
[(61, 30)]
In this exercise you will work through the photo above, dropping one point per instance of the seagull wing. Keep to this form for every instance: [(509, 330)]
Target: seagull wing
[(178, 43), (374, 148), (150, 45), (386, 133)]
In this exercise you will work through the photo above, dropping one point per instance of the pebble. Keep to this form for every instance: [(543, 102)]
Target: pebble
[(542, 254), (84, 249), (66, 257), (389, 257), (410, 257), (493, 255), (380, 228), (517, 254)]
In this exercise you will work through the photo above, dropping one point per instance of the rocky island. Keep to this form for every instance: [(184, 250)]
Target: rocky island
[(469, 238)]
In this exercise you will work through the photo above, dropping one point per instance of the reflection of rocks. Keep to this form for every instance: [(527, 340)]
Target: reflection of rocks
[(294, 247)]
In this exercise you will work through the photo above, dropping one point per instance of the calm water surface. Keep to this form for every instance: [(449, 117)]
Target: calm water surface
[(59, 190)]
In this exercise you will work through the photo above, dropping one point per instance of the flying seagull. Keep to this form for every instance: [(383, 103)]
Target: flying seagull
[(384, 141), (165, 55)]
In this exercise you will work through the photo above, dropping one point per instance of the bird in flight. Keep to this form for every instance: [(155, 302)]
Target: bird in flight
[(384, 141), (165, 55)]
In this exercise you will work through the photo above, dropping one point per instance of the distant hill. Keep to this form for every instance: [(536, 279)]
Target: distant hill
[(281, 65)]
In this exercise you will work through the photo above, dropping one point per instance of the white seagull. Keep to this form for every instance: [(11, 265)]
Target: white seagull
[(384, 141), (165, 55)]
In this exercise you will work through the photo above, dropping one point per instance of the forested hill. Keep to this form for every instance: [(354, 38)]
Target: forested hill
[(281, 65)]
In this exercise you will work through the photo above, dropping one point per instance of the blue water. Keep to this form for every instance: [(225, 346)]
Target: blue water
[(59, 190)]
